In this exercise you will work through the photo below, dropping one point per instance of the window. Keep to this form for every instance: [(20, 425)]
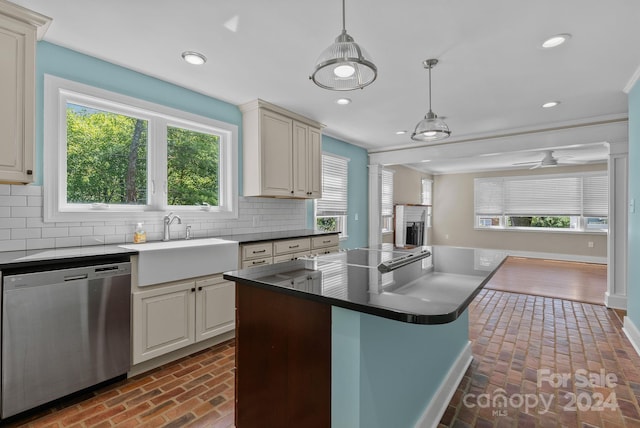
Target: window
[(387, 200), (426, 198), (577, 202), (108, 155), (331, 209)]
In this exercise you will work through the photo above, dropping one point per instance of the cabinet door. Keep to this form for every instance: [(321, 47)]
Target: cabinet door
[(163, 320), (215, 307), (314, 162), (17, 100), (300, 159), (276, 136)]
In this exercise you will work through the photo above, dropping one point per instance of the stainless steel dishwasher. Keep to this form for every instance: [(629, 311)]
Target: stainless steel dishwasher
[(63, 331)]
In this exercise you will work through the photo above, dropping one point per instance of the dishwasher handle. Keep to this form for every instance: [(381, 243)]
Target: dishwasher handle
[(76, 277)]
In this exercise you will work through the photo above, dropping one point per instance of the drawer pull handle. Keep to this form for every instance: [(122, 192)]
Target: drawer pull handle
[(294, 246), (258, 252), (258, 262), (326, 242)]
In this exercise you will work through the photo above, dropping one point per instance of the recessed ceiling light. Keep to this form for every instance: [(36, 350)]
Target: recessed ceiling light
[(550, 104), (343, 101), (401, 132), (195, 58), (556, 40)]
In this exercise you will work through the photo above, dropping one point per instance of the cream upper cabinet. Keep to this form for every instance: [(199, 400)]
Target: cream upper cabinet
[(19, 30), (282, 152)]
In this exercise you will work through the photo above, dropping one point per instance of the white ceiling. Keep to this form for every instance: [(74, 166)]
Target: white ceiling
[(492, 76)]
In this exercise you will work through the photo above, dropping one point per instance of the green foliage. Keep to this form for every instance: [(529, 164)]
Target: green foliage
[(328, 224), (104, 151), (556, 222), (192, 167), (98, 146)]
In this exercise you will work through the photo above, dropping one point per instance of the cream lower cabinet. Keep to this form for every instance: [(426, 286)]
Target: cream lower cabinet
[(171, 316)]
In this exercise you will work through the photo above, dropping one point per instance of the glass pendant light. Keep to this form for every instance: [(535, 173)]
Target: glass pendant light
[(431, 128), (344, 65)]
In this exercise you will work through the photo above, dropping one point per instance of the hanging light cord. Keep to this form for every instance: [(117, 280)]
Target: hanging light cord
[(344, 27), (430, 88)]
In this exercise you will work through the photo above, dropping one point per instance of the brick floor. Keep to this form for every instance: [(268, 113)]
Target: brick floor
[(514, 336), (525, 346)]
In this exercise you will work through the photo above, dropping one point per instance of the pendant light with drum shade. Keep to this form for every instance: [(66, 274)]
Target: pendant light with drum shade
[(431, 128), (344, 66)]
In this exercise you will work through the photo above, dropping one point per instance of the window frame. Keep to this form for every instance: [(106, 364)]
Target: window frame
[(581, 220), (58, 92), (386, 213)]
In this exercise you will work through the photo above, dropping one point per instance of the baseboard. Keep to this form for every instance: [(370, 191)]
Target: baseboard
[(558, 256), (632, 333), (438, 405), (615, 301), (145, 366)]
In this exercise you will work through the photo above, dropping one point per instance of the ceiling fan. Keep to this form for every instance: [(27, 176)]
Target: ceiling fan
[(549, 160)]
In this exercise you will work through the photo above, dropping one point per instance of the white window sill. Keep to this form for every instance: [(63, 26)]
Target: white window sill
[(542, 230)]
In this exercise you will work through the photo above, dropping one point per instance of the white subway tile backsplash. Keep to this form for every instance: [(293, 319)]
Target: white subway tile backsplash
[(22, 226), (55, 232), (10, 223), (13, 201), (74, 241), (25, 233), (37, 244), (34, 212), (26, 190), (11, 245)]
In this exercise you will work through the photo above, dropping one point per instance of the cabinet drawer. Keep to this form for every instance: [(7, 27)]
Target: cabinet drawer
[(291, 246), (289, 257), (257, 262), (327, 250), (257, 251), (324, 241)]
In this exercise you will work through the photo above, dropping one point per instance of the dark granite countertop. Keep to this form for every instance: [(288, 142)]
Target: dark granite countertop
[(61, 256), (57, 256), (246, 238), (434, 290)]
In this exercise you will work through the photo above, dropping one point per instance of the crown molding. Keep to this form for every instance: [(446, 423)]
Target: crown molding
[(636, 76), (27, 16)]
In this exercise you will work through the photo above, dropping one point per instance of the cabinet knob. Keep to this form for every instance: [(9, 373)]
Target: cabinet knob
[(292, 192), (193, 290), (29, 172)]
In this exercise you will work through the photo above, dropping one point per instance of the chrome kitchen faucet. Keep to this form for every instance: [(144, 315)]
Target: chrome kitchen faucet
[(168, 219)]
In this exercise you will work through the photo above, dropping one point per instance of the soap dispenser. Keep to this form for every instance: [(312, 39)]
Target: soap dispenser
[(139, 235)]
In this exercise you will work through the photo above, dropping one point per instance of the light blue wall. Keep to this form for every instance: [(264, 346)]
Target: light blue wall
[(633, 287), (72, 65), (357, 192), (384, 372)]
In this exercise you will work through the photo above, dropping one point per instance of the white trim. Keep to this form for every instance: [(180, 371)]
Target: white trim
[(632, 81), (58, 91), (438, 404), (558, 256), (27, 16), (614, 300), (632, 333)]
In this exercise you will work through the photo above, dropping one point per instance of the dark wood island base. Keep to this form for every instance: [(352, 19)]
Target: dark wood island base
[(283, 360)]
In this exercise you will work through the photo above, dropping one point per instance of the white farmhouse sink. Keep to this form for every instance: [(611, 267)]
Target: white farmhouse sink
[(160, 262)]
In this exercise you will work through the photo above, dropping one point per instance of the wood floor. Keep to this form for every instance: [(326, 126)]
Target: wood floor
[(579, 282)]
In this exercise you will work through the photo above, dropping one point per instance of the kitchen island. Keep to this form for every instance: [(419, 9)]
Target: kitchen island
[(361, 338)]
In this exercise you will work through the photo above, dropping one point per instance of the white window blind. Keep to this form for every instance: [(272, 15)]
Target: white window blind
[(596, 196), (387, 193), (427, 191), (489, 196), (543, 197), (575, 195), (334, 186)]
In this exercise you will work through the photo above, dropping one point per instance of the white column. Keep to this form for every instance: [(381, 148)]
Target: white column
[(375, 207), (616, 295)]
